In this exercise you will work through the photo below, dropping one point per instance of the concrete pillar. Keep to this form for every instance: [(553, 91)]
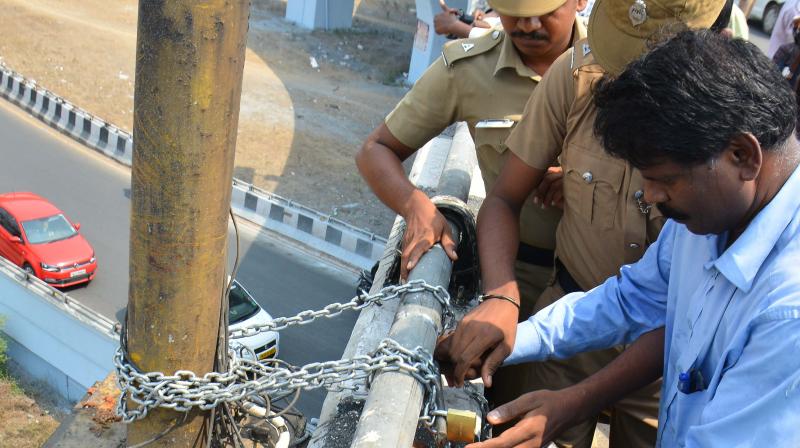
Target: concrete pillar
[(427, 44), (325, 14)]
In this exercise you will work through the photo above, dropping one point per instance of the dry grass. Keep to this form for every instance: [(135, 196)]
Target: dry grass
[(24, 423)]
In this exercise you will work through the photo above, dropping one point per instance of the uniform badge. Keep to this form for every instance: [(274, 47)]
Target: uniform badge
[(586, 49), (637, 13), (467, 47)]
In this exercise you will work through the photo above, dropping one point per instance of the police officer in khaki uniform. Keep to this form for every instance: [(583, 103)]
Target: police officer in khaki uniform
[(605, 224), (485, 82)]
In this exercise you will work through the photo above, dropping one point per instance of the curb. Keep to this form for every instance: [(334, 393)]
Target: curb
[(348, 244)]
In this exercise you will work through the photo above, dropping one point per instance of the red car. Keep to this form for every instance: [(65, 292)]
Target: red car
[(35, 235)]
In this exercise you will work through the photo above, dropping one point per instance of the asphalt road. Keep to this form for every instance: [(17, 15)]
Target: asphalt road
[(95, 191)]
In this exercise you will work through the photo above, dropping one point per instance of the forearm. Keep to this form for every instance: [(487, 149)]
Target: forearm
[(639, 365), (498, 240), (460, 29), (383, 171)]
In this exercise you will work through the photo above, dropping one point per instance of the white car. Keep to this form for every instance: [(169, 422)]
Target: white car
[(766, 11), (244, 311)]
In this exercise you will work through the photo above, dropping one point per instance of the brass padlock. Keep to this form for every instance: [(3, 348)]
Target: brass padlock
[(461, 425)]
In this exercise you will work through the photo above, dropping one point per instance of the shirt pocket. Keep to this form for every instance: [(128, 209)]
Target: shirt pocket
[(491, 149), (592, 185), (687, 412), (492, 138)]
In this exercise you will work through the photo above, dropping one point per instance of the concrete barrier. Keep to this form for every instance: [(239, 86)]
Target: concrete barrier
[(354, 246), (349, 244), (67, 118), (52, 337)]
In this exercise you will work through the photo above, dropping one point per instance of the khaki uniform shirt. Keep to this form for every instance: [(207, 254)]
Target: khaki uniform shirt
[(602, 227), (483, 82)]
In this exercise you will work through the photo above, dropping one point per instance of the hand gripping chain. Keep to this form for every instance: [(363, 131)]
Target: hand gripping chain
[(244, 378)]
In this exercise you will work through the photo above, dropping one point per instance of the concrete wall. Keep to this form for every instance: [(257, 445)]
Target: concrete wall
[(53, 338)]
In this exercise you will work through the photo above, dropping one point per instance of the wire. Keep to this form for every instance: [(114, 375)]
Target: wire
[(162, 433), (290, 406)]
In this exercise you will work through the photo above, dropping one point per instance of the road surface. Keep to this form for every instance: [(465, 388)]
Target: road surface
[(95, 192)]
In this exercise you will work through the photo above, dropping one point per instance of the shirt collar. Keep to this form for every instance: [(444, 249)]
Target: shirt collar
[(742, 260), (509, 58)]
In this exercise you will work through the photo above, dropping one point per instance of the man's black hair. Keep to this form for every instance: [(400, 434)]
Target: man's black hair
[(724, 17), (685, 100)]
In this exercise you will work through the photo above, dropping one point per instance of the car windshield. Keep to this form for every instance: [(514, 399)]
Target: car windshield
[(241, 305), (47, 230)]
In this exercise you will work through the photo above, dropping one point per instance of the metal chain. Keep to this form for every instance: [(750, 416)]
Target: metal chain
[(184, 390), (357, 303)]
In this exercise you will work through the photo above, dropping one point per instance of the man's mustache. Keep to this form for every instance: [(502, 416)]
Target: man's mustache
[(536, 35), (671, 213)]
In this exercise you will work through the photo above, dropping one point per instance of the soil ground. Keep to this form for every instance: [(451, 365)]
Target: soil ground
[(299, 126), (27, 414)]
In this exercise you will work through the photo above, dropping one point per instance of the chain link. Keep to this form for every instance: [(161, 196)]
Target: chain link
[(357, 303), (184, 390)]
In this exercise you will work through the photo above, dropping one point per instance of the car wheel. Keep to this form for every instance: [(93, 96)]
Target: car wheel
[(770, 17), (29, 269)]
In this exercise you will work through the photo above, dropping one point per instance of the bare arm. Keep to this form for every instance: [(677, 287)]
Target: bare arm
[(544, 414), (488, 331), (380, 163), (498, 224)]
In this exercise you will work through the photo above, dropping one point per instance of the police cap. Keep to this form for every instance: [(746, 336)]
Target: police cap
[(619, 30)]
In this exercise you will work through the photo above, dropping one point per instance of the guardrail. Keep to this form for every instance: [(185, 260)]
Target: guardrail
[(349, 244), (55, 338)]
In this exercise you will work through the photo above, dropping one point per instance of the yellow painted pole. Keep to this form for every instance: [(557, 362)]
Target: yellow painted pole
[(189, 62)]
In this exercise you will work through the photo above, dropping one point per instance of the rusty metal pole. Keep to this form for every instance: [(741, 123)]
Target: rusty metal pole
[(189, 63)]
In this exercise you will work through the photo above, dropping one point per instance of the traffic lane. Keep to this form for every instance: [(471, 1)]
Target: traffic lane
[(95, 191), (288, 294), (88, 187)]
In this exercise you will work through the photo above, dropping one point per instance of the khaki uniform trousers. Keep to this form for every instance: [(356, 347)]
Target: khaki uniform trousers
[(509, 382), (634, 419)]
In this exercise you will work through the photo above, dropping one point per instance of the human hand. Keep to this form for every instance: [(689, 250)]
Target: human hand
[(550, 192), (444, 23), (446, 364), (543, 415), (425, 226), (477, 23), (480, 343), (446, 8)]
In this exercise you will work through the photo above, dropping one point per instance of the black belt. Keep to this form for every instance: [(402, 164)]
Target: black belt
[(568, 284), (535, 255)]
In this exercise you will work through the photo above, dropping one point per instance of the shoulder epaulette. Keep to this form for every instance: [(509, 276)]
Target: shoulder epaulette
[(582, 54), (464, 48)]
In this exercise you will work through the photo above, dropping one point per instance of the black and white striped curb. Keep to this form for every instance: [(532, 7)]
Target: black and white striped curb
[(349, 244), (65, 116), (343, 241)]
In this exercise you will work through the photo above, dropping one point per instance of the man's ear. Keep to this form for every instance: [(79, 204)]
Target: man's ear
[(745, 152), (581, 5)]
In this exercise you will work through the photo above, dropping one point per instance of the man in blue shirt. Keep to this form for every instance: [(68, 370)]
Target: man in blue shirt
[(709, 123)]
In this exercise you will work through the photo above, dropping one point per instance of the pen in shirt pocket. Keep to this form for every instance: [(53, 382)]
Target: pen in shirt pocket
[(691, 381)]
